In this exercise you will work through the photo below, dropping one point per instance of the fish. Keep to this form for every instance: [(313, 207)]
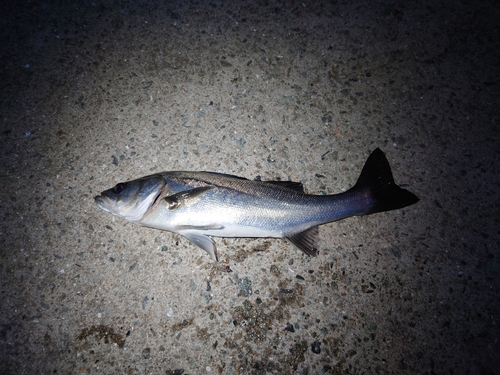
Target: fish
[(202, 205)]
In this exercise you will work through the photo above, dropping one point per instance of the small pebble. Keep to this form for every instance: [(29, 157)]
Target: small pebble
[(290, 328), (316, 347)]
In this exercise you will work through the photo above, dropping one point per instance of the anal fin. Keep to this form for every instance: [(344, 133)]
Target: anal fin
[(306, 241), (203, 241)]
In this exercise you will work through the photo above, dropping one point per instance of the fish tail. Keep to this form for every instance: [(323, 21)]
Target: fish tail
[(377, 177)]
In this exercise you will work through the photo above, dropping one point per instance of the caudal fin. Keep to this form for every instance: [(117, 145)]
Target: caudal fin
[(377, 176)]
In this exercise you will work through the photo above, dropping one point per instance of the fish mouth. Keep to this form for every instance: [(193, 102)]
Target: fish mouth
[(103, 202)]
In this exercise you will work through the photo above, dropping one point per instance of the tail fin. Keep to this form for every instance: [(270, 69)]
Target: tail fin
[(377, 176)]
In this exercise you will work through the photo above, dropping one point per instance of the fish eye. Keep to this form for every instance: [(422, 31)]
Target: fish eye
[(119, 188)]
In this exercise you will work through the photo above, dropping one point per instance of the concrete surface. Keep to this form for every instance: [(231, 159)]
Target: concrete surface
[(93, 93)]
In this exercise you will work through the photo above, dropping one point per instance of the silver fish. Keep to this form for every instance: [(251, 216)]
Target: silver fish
[(197, 205)]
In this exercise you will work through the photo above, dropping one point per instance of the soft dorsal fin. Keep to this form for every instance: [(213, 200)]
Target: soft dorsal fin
[(297, 186), (306, 241)]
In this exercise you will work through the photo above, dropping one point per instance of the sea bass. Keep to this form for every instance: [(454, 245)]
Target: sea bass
[(197, 205)]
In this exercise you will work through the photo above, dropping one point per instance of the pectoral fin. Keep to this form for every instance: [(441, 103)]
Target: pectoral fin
[(306, 241), (205, 242), (185, 197)]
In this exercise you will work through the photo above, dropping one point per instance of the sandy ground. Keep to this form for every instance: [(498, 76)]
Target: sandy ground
[(94, 93)]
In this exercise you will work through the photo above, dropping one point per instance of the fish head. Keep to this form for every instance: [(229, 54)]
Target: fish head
[(133, 199)]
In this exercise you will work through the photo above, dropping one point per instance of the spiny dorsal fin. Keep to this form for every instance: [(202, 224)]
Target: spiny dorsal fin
[(226, 175), (306, 241)]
